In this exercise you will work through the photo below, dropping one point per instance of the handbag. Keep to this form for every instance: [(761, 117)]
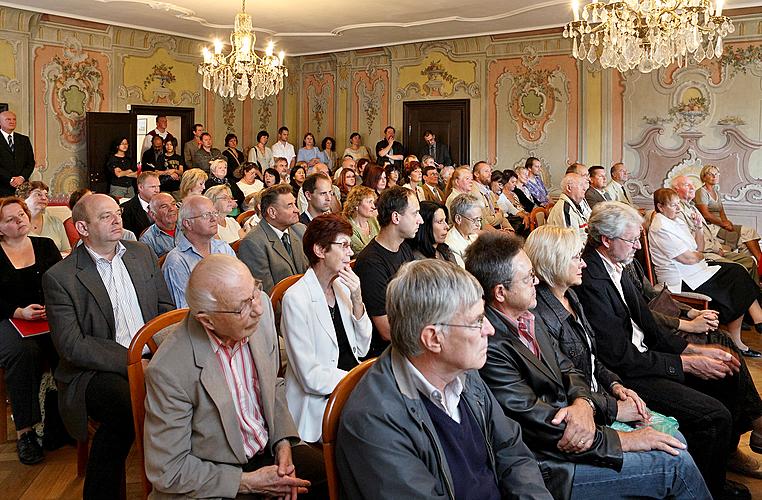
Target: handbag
[(665, 304)]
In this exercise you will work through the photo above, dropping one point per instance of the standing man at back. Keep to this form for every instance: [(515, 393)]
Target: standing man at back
[(194, 144), (160, 130), (16, 155), (440, 152), (389, 151), (96, 300), (284, 149), (399, 218)]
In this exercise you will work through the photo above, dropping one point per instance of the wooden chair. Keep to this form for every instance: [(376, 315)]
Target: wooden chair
[(276, 295), (235, 245), (331, 419), (537, 218), (145, 337), (244, 216), (161, 260)]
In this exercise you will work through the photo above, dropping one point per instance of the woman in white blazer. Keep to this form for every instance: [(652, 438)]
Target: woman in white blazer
[(323, 322)]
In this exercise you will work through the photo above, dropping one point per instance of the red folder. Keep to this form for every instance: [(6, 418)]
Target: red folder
[(28, 328)]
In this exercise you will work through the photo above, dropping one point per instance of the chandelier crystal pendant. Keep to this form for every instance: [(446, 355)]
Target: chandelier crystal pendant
[(243, 73), (647, 34)]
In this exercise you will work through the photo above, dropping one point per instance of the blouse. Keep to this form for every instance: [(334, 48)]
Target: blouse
[(265, 160), (229, 232), (308, 155), (247, 189), (359, 239), (53, 228), (668, 239), (347, 359), (359, 153), (22, 287)]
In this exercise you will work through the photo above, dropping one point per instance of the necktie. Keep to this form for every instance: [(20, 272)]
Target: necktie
[(436, 193), (10, 143), (287, 243), (626, 196), (606, 196)]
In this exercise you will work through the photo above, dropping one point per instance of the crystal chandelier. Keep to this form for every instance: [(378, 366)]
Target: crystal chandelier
[(242, 72), (647, 34)]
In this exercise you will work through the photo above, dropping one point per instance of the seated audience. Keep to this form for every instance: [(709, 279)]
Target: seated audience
[(679, 262), (461, 182), (335, 202), (249, 182), (522, 192), (534, 182), (35, 195), (360, 167), (317, 191), (163, 235), (412, 180), (218, 170), (153, 157), (211, 433), (273, 250), (347, 179), (71, 231), (270, 178), (360, 210), (697, 384), (282, 166), (492, 215), (714, 248), (192, 182), (431, 191), (233, 156), (511, 205), (709, 202), (539, 387), (421, 423), (346, 163), (399, 218), (172, 170), (429, 241), (198, 222), (616, 186), (96, 300), (228, 229), (569, 210), (135, 211), (121, 169), (323, 322), (466, 215), (24, 261), (445, 174), (298, 174), (392, 175), (597, 193), (375, 178)]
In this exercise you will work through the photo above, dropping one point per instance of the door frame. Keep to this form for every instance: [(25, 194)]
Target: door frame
[(187, 118), (465, 122)]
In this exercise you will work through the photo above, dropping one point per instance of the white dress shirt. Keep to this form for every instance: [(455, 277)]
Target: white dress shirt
[(615, 273)]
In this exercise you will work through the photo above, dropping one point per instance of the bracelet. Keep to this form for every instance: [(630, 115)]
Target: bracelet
[(590, 402)]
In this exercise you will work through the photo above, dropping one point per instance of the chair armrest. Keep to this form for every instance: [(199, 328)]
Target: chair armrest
[(696, 300)]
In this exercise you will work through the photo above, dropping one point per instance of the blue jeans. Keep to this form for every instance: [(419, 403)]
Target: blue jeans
[(651, 474)]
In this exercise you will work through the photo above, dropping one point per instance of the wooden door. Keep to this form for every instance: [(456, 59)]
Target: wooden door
[(102, 129), (448, 119), (187, 119)]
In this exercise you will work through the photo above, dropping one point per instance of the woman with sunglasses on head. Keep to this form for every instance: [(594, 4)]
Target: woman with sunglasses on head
[(323, 322)]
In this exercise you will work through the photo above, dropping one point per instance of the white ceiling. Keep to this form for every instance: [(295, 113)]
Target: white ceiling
[(321, 26)]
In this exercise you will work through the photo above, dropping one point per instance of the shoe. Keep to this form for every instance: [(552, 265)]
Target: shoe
[(735, 491), (751, 353), (744, 465), (28, 449)]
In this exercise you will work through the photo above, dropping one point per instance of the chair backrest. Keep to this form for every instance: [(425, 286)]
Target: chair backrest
[(244, 216), (644, 256), (235, 245), (161, 260), (331, 419), (276, 294), (145, 337), (534, 218)]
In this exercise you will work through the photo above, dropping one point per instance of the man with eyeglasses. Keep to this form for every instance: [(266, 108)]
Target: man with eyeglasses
[(163, 235), (216, 410), (198, 223), (699, 385), (466, 215), (421, 423), (538, 386), (96, 300), (571, 209), (431, 191)]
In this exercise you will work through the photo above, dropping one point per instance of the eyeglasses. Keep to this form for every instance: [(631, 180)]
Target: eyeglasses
[(110, 216), (246, 305), (631, 242), (478, 324), (532, 278), (210, 216), (345, 245), (477, 221)]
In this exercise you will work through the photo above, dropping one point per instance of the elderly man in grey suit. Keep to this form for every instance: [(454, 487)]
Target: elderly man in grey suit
[(97, 299), (273, 250), (217, 422)]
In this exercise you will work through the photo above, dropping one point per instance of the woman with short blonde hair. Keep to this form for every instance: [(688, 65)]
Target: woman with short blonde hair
[(360, 210), (193, 181)]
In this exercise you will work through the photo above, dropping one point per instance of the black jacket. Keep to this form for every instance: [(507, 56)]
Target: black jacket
[(134, 217), (532, 390), (14, 164), (611, 320), (554, 316)]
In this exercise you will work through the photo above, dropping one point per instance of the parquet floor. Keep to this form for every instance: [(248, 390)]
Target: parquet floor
[(56, 477)]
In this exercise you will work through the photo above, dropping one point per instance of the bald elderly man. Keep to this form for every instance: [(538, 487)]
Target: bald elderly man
[(97, 299), (572, 210), (16, 155), (211, 431)]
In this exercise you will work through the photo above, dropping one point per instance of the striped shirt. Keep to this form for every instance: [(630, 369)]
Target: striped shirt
[(128, 318), (237, 367)]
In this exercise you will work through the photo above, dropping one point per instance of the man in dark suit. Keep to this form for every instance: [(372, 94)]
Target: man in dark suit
[(16, 155), (597, 193), (135, 211), (211, 435), (273, 250), (317, 189), (440, 152), (96, 300), (699, 385), (389, 151), (539, 387)]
